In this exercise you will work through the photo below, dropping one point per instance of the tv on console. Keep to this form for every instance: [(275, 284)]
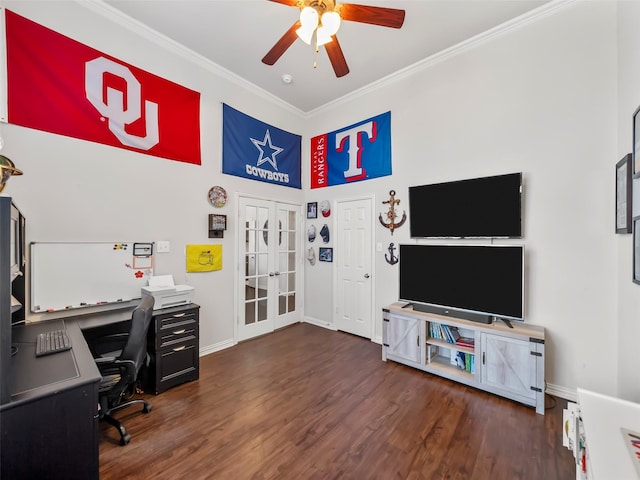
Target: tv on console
[(487, 207), (474, 282)]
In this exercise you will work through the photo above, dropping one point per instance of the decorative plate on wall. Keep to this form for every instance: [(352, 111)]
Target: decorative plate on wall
[(217, 196)]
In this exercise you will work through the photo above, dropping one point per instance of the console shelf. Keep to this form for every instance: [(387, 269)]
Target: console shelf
[(505, 361)]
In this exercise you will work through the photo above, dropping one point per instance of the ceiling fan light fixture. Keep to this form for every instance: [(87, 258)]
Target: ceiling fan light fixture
[(331, 21), (322, 36), (329, 27), (309, 23)]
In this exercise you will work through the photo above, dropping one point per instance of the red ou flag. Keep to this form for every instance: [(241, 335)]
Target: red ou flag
[(58, 85)]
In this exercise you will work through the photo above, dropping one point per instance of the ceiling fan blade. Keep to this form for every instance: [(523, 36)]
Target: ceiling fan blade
[(336, 57), (385, 17), (290, 3), (281, 45)]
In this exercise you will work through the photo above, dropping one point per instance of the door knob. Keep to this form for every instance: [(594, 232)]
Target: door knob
[(366, 275)]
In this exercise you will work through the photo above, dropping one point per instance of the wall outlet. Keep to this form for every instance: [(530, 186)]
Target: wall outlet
[(162, 247)]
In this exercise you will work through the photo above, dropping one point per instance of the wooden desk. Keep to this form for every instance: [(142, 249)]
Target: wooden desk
[(50, 426)]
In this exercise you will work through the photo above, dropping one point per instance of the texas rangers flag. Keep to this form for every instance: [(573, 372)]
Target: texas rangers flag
[(61, 86), (358, 152), (253, 149)]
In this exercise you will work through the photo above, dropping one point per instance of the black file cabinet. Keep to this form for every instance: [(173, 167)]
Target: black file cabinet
[(173, 345)]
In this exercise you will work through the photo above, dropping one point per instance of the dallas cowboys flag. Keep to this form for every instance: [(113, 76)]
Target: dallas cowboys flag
[(253, 149)]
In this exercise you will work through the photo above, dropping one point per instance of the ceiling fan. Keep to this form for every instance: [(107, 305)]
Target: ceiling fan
[(323, 17)]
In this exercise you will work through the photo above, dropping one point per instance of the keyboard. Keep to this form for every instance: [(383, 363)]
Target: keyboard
[(53, 341)]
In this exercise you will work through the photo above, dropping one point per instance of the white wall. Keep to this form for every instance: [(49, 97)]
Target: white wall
[(74, 190), (541, 99), (628, 293)]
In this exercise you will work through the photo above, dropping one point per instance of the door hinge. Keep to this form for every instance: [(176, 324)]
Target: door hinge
[(537, 354), (536, 389)]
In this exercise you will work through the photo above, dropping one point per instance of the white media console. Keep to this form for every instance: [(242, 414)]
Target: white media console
[(505, 361)]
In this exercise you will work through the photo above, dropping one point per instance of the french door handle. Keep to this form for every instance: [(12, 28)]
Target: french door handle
[(366, 275), (277, 273), (271, 274)]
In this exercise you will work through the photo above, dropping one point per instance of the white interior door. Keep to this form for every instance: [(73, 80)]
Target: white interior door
[(268, 246), (354, 267)]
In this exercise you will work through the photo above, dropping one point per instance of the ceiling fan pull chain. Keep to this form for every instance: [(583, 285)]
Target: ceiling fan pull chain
[(315, 56)]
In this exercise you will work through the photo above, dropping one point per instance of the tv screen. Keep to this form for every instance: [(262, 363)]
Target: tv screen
[(487, 207), (476, 282)]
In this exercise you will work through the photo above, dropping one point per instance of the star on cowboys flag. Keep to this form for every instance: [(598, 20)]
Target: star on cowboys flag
[(269, 158)]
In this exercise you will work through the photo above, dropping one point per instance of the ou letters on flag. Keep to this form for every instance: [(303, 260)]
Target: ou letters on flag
[(358, 152), (58, 85), (256, 150)]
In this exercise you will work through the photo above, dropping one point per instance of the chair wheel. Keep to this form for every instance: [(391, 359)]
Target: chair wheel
[(146, 408), (125, 440)]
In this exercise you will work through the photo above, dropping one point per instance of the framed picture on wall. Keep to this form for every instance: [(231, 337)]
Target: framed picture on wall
[(635, 152), (312, 210), (325, 254), (623, 195), (636, 250)]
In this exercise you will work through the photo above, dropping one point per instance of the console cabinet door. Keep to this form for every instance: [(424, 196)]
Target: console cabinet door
[(403, 338), (508, 366)]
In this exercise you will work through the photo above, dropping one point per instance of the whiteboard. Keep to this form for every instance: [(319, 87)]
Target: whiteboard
[(66, 276)]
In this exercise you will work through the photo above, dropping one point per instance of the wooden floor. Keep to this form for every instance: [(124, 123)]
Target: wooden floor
[(309, 403)]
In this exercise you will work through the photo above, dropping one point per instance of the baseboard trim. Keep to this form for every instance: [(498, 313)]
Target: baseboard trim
[(562, 392), (216, 347), (320, 323)]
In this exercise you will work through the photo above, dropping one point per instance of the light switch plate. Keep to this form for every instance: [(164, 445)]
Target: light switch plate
[(162, 247)]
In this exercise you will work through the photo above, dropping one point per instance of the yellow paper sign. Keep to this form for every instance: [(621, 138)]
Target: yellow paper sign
[(204, 258)]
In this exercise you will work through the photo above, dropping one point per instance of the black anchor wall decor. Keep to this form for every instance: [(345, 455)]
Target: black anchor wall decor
[(391, 214), (391, 258)]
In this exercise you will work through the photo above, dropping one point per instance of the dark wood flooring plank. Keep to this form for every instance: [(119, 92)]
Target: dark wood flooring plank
[(309, 403)]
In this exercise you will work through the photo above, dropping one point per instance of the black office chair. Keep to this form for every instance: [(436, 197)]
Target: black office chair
[(119, 358)]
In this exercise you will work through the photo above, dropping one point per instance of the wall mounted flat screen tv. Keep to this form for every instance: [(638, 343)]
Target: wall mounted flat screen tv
[(487, 207), (475, 282)]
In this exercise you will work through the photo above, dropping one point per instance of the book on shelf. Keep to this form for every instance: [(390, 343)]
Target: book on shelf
[(465, 361), (466, 342), (460, 360), (445, 332), (454, 334)]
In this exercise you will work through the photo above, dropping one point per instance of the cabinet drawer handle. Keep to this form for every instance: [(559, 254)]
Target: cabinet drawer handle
[(179, 348), (178, 332), (178, 315)]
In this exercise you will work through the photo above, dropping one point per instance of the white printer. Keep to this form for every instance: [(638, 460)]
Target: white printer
[(165, 293)]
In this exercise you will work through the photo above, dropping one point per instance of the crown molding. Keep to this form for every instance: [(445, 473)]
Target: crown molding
[(139, 28), (118, 17), (505, 28)]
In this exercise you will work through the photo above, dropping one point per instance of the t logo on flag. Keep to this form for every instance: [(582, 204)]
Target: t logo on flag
[(357, 152), (253, 149)]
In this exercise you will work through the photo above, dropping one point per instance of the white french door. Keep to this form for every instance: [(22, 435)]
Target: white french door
[(268, 247)]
